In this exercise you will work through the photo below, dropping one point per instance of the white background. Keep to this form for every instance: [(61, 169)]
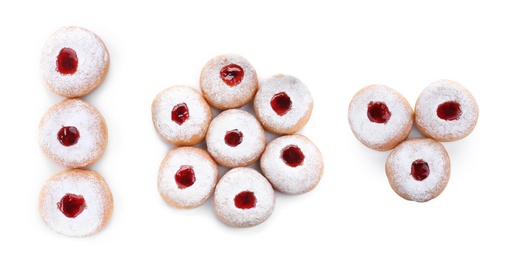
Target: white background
[(336, 49)]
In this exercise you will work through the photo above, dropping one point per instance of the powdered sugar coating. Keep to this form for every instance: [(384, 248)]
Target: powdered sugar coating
[(206, 176), (93, 62), (95, 191), (236, 181), (90, 124), (248, 151), (399, 163), (377, 136), (193, 130), (433, 126), (222, 96), (299, 113), (287, 179)]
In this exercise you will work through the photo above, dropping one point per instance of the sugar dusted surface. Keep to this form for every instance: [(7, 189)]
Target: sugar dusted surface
[(292, 180), (236, 181), (93, 62), (400, 162), (206, 175)]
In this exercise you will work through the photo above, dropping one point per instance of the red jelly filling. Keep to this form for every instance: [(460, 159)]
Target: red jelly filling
[(281, 103), (378, 112), (449, 110), (180, 113), (245, 200), (292, 156), (185, 177), (68, 135), (71, 205), (420, 170), (66, 62), (233, 138), (232, 74)]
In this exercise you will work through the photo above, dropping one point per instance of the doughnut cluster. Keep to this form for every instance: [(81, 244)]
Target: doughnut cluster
[(381, 118), (235, 138), (75, 202)]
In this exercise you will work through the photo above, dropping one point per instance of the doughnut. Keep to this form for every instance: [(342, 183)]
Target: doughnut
[(380, 117), (418, 169), (73, 133), (180, 115), (74, 62), (187, 177), (235, 138), (76, 202), (244, 198), (292, 164), (228, 81), (283, 104), (446, 111)]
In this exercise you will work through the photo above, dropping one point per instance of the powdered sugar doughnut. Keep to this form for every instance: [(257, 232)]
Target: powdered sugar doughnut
[(235, 138), (418, 169), (293, 164), (73, 134), (244, 198), (446, 111), (74, 62), (180, 115), (228, 81), (380, 117), (283, 104), (187, 177), (76, 203)]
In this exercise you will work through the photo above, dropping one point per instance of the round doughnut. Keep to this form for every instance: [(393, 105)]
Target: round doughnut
[(292, 164), (244, 198), (446, 111), (418, 169), (283, 104), (74, 62), (380, 117), (180, 115), (228, 81), (73, 134), (76, 202), (235, 138), (187, 177)]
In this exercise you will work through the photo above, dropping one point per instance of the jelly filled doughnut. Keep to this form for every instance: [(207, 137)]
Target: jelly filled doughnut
[(74, 62), (73, 134), (76, 203), (418, 169), (244, 198), (180, 115), (293, 164), (380, 117), (235, 138), (187, 177), (446, 111), (228, 81), (283, 104)]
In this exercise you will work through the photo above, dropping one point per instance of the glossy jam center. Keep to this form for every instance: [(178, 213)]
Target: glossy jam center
[(180, 113), (66, 62), (449, 110), (292, 156), (281, 103), (68, 135), (378, 112), (245, 200), (71, 205), (232, 74), (420, 170), (233, 138), (185, 177)]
